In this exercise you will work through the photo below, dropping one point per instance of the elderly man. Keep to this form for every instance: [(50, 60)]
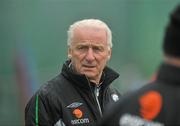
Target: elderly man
[(81, 92)]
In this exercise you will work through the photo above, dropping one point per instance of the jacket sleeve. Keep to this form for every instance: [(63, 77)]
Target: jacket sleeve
[(37, 113)]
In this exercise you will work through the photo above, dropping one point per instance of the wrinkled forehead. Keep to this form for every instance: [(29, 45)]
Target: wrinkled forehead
[(90, 43), (90, 34)]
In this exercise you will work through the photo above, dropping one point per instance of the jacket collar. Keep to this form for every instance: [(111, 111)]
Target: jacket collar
[(169, 74), (82, 81)]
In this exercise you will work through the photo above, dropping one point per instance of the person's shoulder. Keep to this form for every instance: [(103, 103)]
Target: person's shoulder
[(51, 86), (148, 93), (114, 90)]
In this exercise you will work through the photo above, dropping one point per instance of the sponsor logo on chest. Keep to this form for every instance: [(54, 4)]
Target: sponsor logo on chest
[(78, 114), (79, 121)]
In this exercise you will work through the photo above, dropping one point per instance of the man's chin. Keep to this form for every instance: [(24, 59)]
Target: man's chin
[(89, 74)]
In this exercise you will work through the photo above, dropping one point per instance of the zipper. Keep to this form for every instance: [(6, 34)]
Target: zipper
[(95, 94)]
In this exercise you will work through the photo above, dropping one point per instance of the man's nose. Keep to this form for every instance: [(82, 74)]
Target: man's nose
[(90, 55)]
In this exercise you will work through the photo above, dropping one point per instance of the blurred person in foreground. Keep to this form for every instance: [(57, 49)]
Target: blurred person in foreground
[(157, 103), (81, 92)]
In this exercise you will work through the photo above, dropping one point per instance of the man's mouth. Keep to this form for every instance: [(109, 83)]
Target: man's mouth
[(89, 66)]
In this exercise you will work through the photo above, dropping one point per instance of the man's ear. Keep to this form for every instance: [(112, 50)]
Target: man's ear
[(108, 57), (109, 54), (69, 53)]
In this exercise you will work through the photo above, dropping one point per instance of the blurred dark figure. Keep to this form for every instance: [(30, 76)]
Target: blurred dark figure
[(157, 103)]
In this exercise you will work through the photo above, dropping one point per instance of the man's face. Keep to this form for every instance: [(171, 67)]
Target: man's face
[(89, 52)]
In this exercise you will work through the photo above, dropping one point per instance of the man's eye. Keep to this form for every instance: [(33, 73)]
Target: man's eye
[(98, 49), (82, 48)]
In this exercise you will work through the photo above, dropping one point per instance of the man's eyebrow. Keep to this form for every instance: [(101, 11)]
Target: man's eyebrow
[(90, 44)]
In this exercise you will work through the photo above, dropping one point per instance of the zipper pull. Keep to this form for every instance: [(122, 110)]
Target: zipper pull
[(97, 91)]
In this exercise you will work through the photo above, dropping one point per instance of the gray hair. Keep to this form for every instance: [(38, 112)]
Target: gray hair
[(86, 23)]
